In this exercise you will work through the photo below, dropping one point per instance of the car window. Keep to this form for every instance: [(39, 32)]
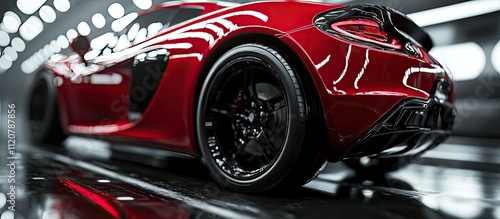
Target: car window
[(147, 26), (140, 29), (186, 14)]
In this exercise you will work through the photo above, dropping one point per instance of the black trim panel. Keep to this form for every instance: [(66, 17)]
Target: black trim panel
[(147, 72), (412, 127)]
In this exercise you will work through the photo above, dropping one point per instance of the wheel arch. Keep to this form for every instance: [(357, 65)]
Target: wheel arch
[(293, 59)]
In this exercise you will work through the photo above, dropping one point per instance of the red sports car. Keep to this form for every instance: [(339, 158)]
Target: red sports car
[(264, 93)]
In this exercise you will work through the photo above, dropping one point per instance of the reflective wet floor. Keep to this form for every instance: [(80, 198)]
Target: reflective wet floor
[(86, 178)]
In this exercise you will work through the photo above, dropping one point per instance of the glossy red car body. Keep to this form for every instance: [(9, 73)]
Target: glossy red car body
[(357, 84)]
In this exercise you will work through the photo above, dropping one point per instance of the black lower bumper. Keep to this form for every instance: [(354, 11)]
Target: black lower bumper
[(412, 127)]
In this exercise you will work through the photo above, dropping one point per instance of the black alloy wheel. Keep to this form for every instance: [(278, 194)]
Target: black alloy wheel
[(252, 122), (43, 115)]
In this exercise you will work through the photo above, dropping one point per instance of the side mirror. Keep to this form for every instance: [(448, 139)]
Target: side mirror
[(81, 45)]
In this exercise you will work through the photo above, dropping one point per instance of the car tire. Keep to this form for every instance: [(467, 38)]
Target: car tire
[(376, 166), (254, 121), (43, 115)]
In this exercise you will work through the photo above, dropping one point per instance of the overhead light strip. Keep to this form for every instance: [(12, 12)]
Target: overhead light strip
[(454, 12)]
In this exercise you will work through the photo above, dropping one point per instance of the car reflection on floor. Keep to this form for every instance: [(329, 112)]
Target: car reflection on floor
[(88, 178)]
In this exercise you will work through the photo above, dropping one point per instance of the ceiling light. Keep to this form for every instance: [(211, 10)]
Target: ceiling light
[(101, 41), (28, 66), (141, 35), (47, 14), (116, 10), (58, 57), (454, 12), (3, 200), (62, 41), (122, 43), (466, 61), (5, 63), (83, 28), (98, 20), (121, 23), (62, 5), (143, 4), (4, 38), (10, 54), (92, 54), (71, 35), (2, 27), (495, 57), (36, 58), (6, 214), (18, 44), (31, 28), (39, 57), (11, 22), (132, 32), (54, 46), (48, 51), (29, 6), (154, 28)]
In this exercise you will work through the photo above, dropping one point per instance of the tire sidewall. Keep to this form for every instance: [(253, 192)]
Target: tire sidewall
[(44, 77), (295, 127)]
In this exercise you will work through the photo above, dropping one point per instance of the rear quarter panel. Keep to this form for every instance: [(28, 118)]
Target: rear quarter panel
[(358, 84)]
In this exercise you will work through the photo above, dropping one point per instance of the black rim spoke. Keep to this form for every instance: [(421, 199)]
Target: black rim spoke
[(276, 108), (272, 104), (267, 146), (224, 109), (276, 99), (241, 144), (250, 84), (221, 112)]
